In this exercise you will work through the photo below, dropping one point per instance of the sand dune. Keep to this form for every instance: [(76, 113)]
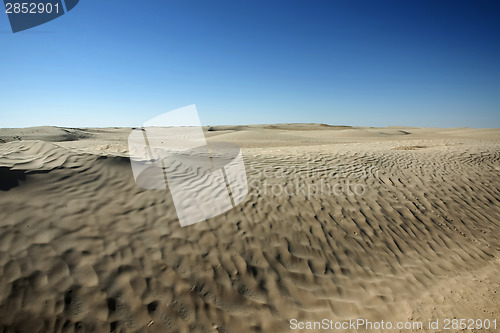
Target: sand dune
[(392, 224)]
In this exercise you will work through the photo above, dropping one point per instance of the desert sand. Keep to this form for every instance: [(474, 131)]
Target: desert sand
[(395, 224)]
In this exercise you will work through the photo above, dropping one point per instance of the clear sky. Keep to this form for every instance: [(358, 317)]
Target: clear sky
[(363, 63)]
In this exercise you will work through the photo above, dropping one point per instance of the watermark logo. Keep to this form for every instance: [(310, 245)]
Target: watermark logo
[(26, 14), (309, 180), (204, 180)]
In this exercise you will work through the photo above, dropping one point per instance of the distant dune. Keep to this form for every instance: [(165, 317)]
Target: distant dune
[(393, 224)]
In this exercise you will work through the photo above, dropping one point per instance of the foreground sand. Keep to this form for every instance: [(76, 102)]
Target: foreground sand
[(83, 249)]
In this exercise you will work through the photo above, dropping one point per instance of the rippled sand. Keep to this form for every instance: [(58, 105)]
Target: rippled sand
[(388, 224)]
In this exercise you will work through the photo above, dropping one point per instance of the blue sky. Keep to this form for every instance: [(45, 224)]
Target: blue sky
[(363, 63)]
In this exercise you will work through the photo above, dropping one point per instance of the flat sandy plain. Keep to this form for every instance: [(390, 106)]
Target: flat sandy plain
[(83, 249)]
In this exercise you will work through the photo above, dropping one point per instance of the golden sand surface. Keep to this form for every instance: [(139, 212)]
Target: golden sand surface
[(394, 224)]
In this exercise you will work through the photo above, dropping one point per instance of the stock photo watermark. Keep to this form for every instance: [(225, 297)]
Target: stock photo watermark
[(309, 181), (170, 151), (445, 324), (25, 14)]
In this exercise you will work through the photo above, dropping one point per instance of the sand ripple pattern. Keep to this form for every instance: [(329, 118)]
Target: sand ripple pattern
[(83, 249)]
